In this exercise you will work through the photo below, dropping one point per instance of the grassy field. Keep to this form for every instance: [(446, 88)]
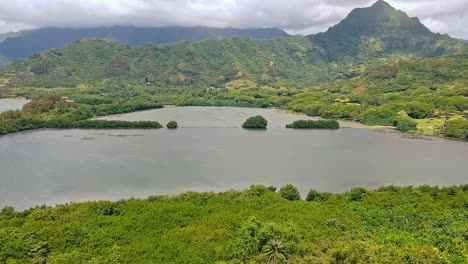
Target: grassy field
[(433, 126)]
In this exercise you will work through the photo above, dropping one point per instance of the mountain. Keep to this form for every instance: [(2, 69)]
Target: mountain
[(379, 30), (367, 37), (27, 43), (9, 35), (205, 63)]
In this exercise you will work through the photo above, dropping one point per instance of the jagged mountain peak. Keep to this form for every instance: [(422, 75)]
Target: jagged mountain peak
[(381, 4), (382, 29), (380, 18)]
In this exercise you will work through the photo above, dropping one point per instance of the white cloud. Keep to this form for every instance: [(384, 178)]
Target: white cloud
[(296, 16)]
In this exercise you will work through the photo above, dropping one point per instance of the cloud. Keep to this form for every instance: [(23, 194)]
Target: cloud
[(295, 16)]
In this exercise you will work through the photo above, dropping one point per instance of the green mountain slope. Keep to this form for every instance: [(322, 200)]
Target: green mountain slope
[(206, 63), (28, 42), (448, 74), (367, 37), (381, 30)]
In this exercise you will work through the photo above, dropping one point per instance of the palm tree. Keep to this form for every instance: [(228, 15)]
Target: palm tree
[(274, 249)]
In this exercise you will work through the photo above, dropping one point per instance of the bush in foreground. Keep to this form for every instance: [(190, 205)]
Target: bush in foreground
[(255, 122), (290, 192), (172, 125), (252, 226), (316, 196), (314, 124)]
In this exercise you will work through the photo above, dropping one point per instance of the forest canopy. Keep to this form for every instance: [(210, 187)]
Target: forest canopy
[(388, 225)]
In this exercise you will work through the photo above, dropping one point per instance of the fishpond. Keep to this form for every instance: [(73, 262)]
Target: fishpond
[(12, 104), (210, 152)]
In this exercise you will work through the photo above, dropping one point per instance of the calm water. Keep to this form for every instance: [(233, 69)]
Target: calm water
[(57, 166), (194, 116), (12, 104)]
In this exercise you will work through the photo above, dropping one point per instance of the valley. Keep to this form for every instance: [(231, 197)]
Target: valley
[(193, 143)]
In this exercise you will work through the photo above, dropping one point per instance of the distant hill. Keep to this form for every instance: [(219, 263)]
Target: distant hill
[(367, 37), (379, 30), (9, 35), (26, 43)]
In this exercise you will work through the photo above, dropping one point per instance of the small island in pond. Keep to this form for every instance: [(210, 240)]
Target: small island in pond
[(255, 122), (172, 125), (314, 124)]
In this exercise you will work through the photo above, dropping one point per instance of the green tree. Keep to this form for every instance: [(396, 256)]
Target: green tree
[(357, 194), (255, 122), (457, 128), (290, 192), (314, 195), (406, 125), (275, 250), (172, 125), (379, 116)]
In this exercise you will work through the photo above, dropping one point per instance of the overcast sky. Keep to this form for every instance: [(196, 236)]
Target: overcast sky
[(295, 16)]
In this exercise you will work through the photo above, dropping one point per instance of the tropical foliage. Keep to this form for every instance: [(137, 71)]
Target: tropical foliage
[(385, 79), (318, 124), (172, 125), (387, 225), (367, 37), (255, 122), (57, 112)]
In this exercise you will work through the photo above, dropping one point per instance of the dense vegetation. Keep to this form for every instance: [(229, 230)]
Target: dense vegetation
[(367, 37), (28, 42), (388, 225), (318, 124), (380, 30), (172, 125), (255, 122), (57, 112), (378, 81), (457, 128)]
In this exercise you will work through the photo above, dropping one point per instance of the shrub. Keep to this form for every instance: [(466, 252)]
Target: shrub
[(255, 122), (346, 111), (379, 116), (419, 110), (357, 194), (317, 196), (333, 222), (406, 125), (290, 192), (310, 124), (457, 128), (257, 190), (172, 125)]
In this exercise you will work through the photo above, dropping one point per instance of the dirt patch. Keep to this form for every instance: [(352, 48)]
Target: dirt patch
[(360, 90)]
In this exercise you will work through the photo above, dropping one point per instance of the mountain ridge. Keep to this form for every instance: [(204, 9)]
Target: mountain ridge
[(366, 37), (29, 42)]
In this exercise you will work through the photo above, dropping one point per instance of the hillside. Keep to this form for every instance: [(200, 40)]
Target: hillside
[(207, 63), (28, 42), (367, 37), (9, 35), (447, 74), (380, 30)]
